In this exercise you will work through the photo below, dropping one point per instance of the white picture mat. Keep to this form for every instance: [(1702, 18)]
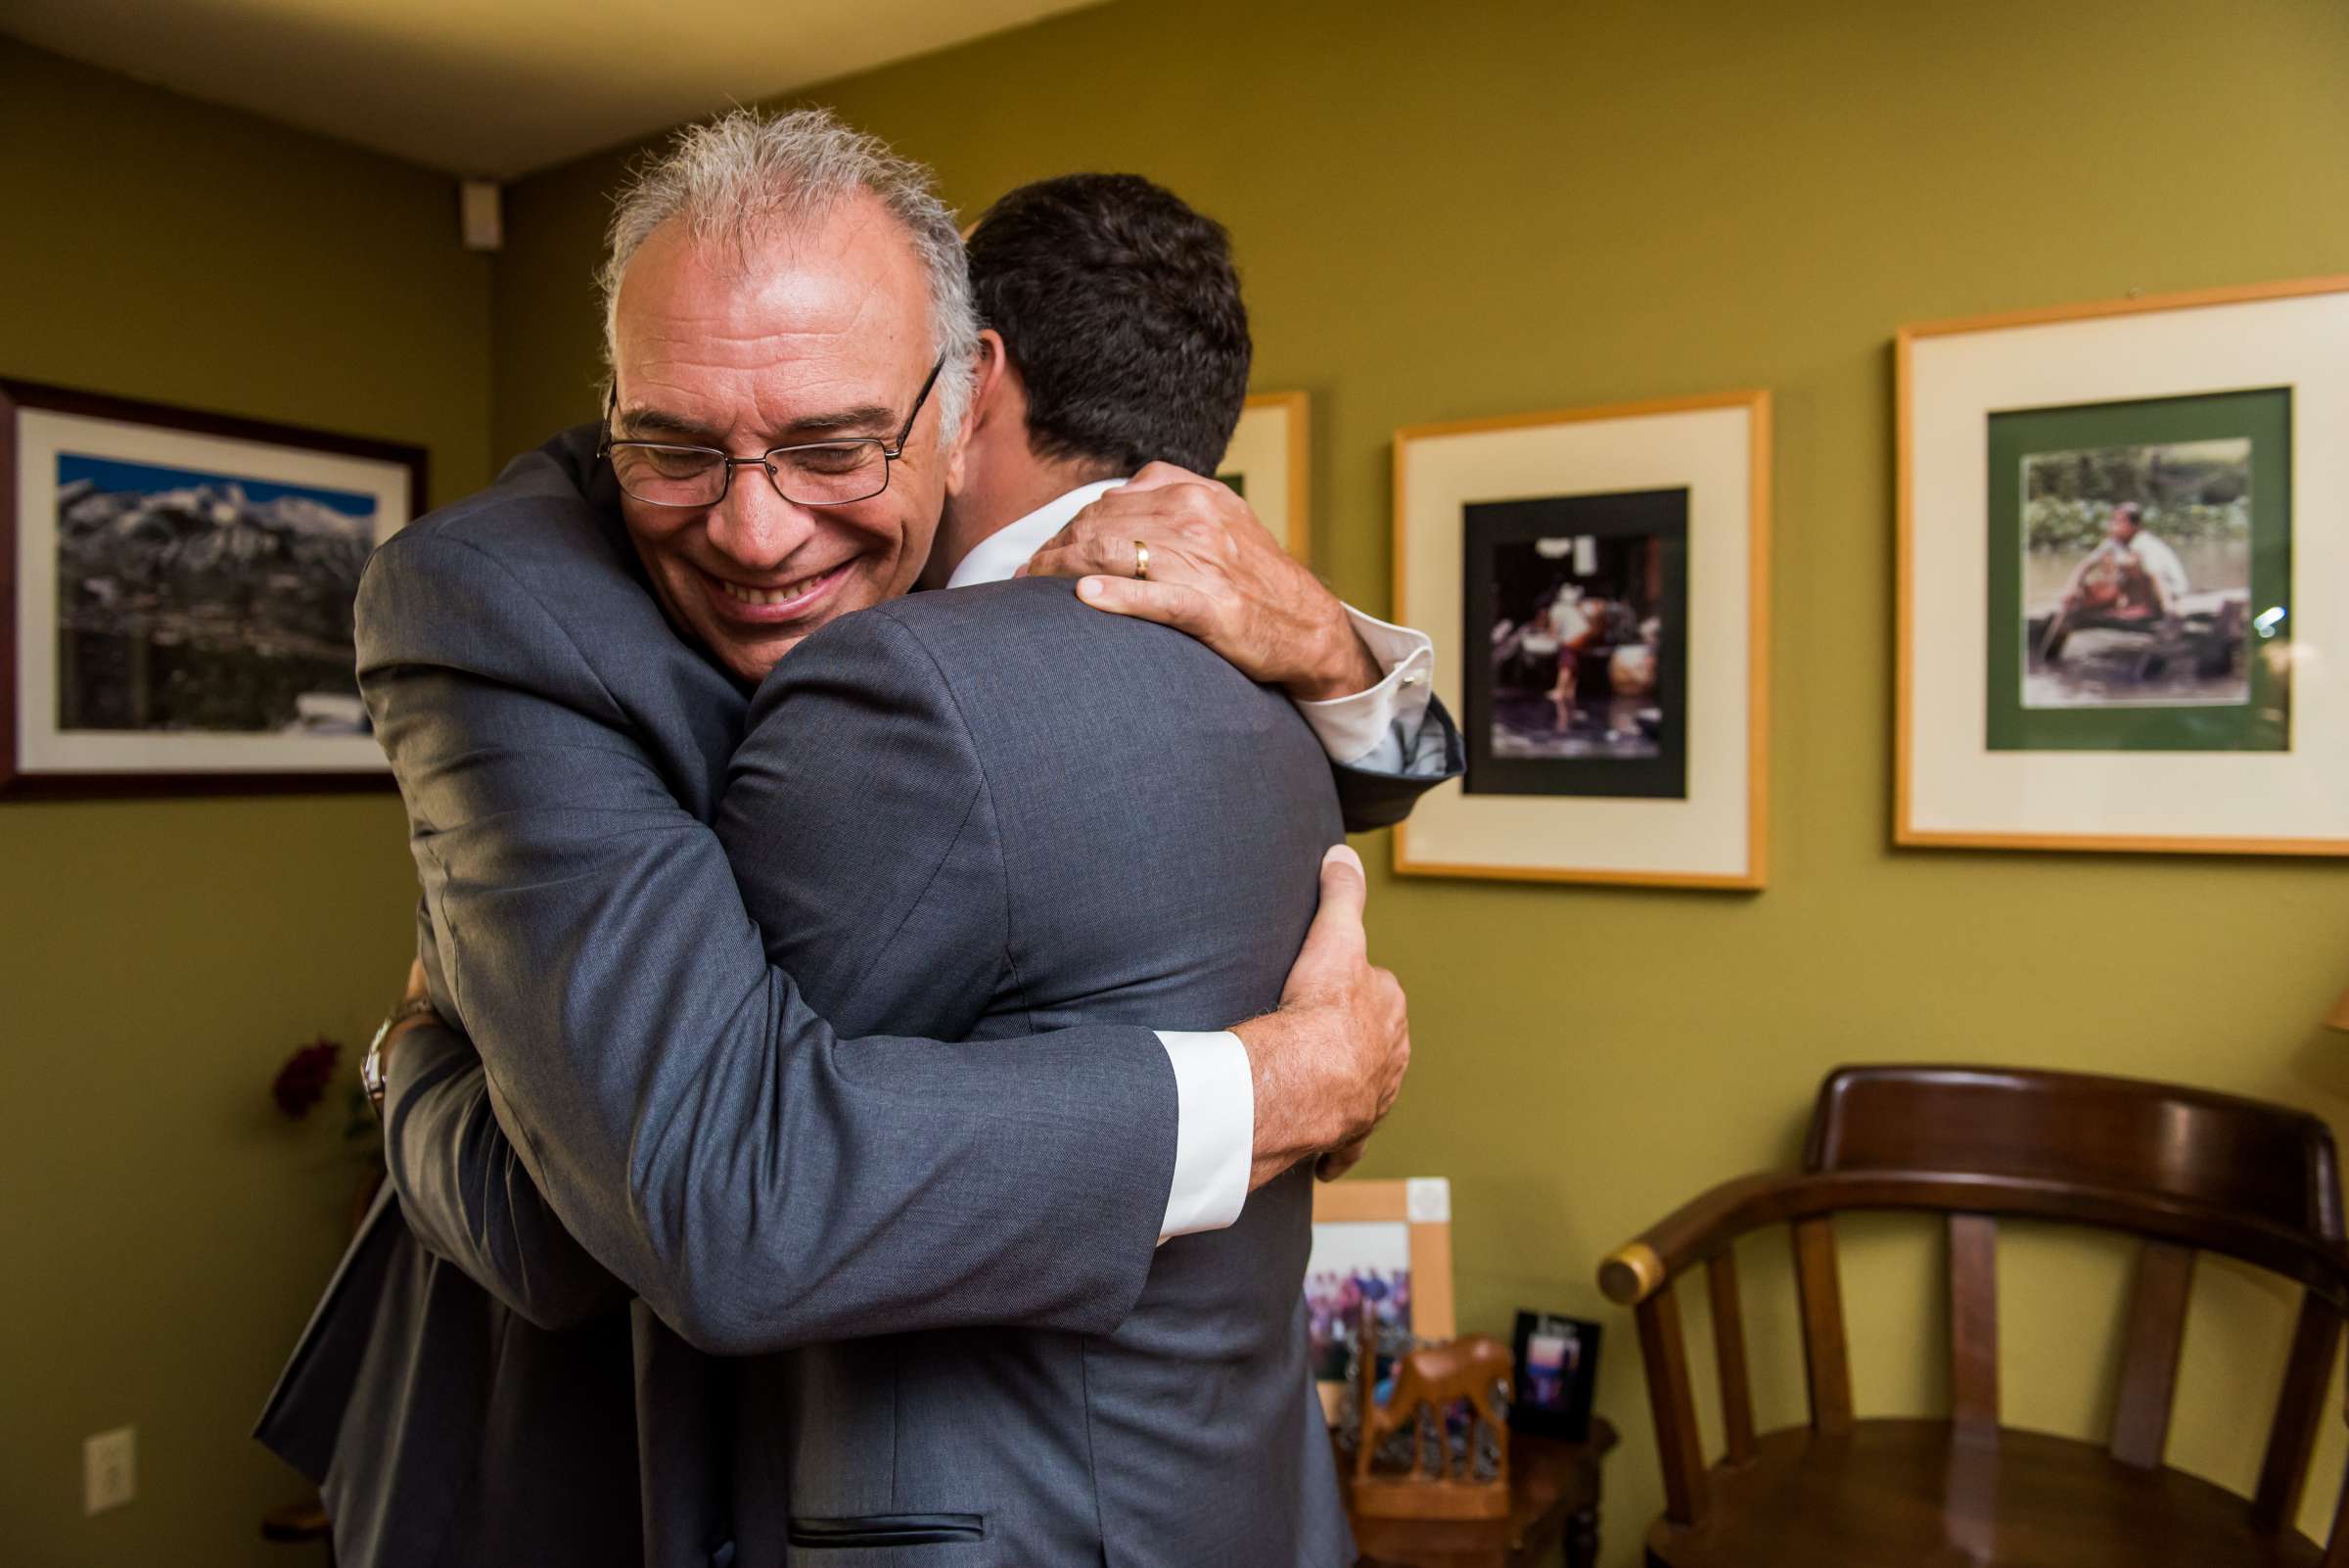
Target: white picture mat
[(1956, 784), (1347, 1247), (1709, 452), (1259, 451), (42, 435)]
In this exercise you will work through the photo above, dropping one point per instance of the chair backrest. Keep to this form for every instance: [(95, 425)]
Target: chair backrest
[(2119, 1139), (2163, 1140), (2183, 1167)]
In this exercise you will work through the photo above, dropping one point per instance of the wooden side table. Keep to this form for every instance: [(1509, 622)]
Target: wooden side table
[(1553, 1504)]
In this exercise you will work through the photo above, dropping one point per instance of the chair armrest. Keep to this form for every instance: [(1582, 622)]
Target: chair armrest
[(1697, 1230), (1693, 1233)]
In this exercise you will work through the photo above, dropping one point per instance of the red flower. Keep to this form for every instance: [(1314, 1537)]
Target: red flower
[(302, 1083)]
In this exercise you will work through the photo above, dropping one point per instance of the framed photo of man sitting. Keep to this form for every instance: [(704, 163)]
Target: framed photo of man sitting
[(2120, 548)]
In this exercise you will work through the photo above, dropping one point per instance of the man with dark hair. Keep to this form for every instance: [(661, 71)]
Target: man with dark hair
[(1113, 339), (1122, 826), (1122, 313)]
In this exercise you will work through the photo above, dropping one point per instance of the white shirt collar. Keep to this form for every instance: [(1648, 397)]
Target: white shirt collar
[(1001, 553)]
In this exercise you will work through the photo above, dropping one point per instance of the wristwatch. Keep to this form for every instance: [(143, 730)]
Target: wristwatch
[(371, 1066)]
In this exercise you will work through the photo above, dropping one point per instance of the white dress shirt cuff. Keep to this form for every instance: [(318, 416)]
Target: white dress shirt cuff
[(1366, 730), (1214, 1133)]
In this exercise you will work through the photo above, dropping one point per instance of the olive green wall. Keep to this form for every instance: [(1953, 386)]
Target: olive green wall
[(165, 1231), (1442, 212), (1460, 210)]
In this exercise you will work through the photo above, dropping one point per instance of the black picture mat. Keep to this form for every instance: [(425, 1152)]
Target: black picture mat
[(1659, 515), (1567, 1418), (17, 395)]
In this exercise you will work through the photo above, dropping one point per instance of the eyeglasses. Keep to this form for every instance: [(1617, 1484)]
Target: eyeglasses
[(811, 474)]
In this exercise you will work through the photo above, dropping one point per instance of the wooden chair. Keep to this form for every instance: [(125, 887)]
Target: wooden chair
[(2185, 1170)]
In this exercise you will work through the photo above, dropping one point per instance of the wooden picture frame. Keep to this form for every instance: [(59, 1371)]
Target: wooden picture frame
[(1270, 462), (1418, 1213), (174, 587), (2039, 711), (1669, 790)]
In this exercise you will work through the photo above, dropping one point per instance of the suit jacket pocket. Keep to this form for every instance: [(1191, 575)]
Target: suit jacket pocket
[(893, 1540)]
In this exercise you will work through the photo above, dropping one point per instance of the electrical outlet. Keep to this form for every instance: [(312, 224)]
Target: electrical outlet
[(110, 1469)]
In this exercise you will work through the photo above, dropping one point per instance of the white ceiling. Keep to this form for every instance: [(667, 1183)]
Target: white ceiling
[(496, 88)]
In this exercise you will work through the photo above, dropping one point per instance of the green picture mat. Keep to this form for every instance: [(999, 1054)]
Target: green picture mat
[(2264, 417)]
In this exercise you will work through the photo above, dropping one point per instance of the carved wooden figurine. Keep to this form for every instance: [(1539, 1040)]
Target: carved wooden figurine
[(1428, 1383)]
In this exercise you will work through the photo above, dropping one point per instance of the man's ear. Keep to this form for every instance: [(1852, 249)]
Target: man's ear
[(995, 374), (993, 383)]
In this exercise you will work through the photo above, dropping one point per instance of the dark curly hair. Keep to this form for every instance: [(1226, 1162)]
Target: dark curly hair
[(1121, 310)]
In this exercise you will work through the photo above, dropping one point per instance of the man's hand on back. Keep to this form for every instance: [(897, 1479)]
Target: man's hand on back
[(1328, 1065), (1216, 573)]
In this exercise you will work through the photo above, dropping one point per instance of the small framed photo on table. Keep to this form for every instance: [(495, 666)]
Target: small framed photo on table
[(177, 597), (2124, 544), (1597, 582), (1557, 1375), (1385, 1246)]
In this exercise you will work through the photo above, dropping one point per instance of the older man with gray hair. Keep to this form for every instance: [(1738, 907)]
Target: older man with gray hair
[(558, 670)]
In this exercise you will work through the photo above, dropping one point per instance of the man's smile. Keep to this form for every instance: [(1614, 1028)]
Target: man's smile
[(784, 602)]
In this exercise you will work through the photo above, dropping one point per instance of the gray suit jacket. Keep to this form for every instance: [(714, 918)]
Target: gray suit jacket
[(977, 814), (693, 1130)]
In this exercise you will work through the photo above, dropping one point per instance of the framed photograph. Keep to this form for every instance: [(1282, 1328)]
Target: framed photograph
[(1597, 586), (1584, 691), (175, 614), (1382, 1244), (1556, 1375), (1268, 462), (2119, 524)]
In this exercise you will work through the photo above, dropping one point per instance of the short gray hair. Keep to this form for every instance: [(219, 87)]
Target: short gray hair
[(746, 174)]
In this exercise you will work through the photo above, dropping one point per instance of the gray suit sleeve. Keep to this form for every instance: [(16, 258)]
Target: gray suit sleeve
[(691, 1121), (1433, 753), (463, 1191), (465, 1194)]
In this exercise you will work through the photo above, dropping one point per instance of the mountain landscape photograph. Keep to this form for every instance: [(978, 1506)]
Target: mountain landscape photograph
[(201, 602)]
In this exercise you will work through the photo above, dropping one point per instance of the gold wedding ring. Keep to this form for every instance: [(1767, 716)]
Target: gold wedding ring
[(1142, 562)]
